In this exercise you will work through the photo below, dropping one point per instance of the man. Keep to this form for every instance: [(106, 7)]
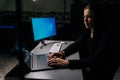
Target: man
[(95, 48)]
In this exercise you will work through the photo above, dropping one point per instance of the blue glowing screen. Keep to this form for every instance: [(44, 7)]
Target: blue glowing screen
[(43, 27)]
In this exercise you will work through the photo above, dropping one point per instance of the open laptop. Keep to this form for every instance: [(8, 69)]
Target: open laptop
[(36, 61)]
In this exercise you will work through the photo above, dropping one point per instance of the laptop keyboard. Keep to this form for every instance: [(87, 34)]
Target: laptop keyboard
[(40, 61)]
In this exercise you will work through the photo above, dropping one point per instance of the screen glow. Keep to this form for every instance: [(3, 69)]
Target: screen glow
[(43, 27)]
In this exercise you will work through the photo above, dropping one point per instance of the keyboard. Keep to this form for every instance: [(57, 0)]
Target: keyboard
[(56, 47), (40, 61)]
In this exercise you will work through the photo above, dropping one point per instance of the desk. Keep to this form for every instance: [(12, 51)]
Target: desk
[(59, 74), (56, 74)]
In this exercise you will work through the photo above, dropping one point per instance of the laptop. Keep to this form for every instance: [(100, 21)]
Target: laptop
[(36, 61)]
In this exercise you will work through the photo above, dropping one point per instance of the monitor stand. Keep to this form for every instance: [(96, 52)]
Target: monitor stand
[(43, 43)]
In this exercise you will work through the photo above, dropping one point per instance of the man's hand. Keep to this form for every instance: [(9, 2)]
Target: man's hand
[(58, 62), (55, 54)]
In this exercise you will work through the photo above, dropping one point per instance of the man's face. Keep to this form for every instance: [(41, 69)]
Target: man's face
[(88, 19)]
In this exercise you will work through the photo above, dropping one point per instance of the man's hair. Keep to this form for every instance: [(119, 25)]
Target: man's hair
[(87, 7), (90, 7)]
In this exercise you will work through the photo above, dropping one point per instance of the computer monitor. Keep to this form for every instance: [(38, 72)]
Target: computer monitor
[(43, 27)]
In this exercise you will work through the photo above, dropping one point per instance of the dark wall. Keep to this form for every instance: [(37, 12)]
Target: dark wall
[(107, 14), (7, 38), (68, 24)]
